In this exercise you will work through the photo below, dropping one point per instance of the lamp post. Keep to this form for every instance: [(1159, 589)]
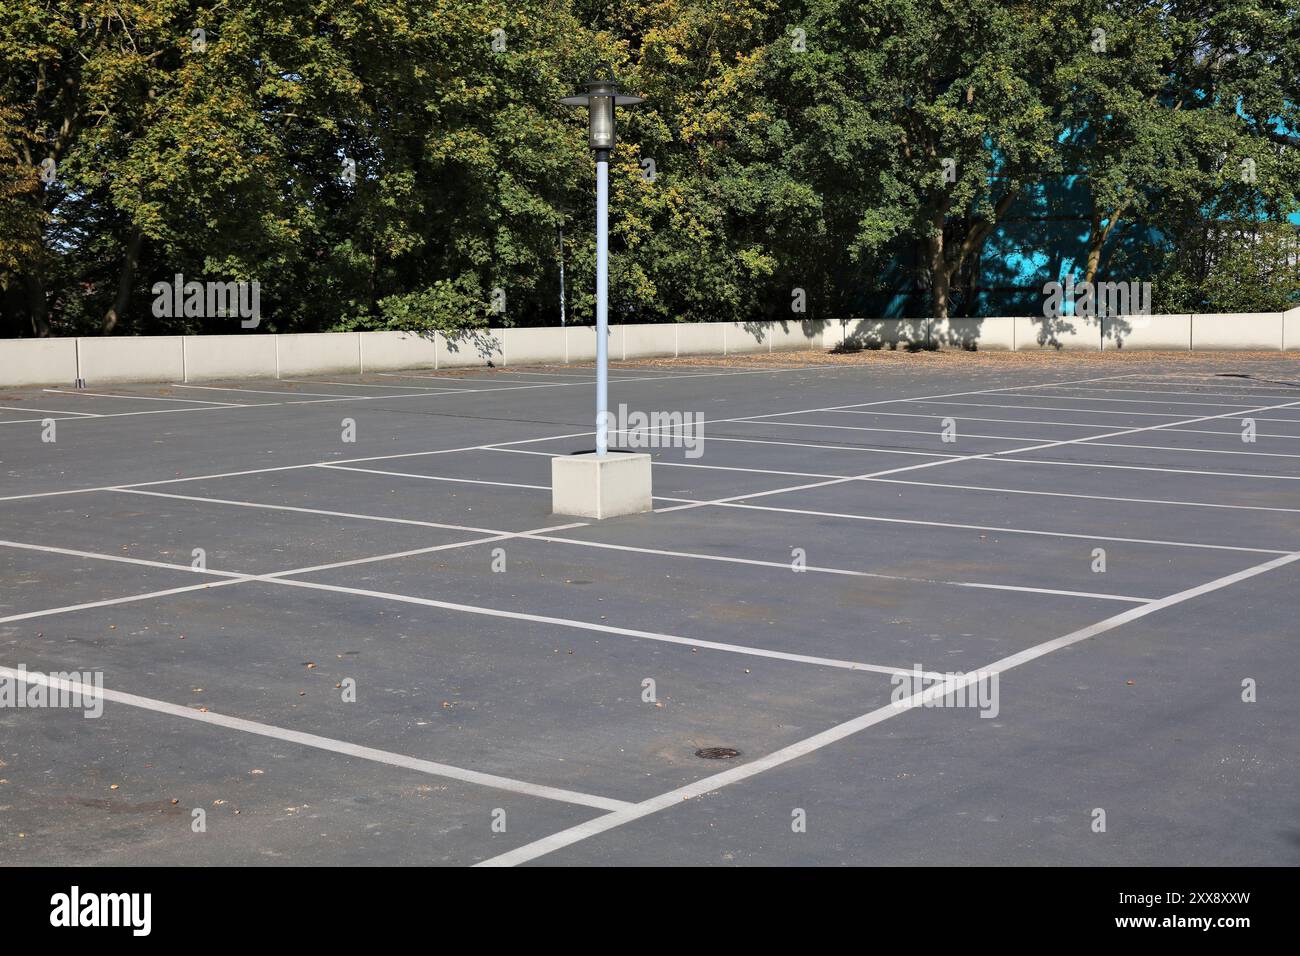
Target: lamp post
[(600, 98), (603, 484)]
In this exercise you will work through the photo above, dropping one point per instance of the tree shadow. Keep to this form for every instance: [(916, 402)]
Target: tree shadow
[(809, 328), (873, 335), (483, 343)]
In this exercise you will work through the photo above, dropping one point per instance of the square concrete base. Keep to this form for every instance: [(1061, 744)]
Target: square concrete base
[(600, 487)]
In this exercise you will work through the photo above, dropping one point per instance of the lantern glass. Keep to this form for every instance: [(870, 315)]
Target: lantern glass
[(602, 122)]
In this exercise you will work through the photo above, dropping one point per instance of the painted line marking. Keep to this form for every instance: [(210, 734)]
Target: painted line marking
[(976, 527), (998, 489), (1138, 401), (143, 398), (52, 411), (1148, 391), (982, 455), (406, 474), (318, 742), (542, 534), (109, 602), (1165, 471), (441, 451), (282, 392), (285, 578), (784, 755), (1093, 498), (409, 388)]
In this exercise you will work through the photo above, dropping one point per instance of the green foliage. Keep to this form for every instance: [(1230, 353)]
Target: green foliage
[(1238, 267), (780, 164), (445, 306)]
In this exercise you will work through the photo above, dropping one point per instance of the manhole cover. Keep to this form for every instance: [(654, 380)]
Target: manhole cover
[(717, 753)]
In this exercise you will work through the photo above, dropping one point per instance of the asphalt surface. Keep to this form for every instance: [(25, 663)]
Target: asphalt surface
[(393, 653)]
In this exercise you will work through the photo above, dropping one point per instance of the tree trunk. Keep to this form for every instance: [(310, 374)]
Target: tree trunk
[(1097, 236), (130, 262), (36, 307), (938, 268), (1095, 239)]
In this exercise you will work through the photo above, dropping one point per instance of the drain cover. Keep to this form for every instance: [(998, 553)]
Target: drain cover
[(717, 753)]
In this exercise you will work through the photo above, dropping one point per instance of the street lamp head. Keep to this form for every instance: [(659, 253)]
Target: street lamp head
[(600, 98)]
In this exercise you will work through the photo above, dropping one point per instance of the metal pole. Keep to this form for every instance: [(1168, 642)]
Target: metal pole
[(602, 300), (561, 275)]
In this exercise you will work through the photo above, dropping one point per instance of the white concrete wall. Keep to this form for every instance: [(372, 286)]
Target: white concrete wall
[(700, 338), (886, 333), (394, 351), (534, 346), (208, 357), (165, 358), (136, 358), (745, 337), (474, 349), (1168, 332), (796, 335), (649, 341), (1242, 330), (580, 343), (1033, 333), (990, 334), (1291, 330), (311, 353), (38, 361)]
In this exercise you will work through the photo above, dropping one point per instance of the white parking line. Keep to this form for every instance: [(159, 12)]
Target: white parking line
[(128, 599), (1038, 408), (441, 451), (282, 392), (983, 455), (464, 481), (142, 398), (1137, 401), (785, 566), (1099, 499), (408, 388), (931, 433), (236, 503), (659, 463), (681, 464), (989, 528), (1194, 451), (275, 468), (446, 771), (285, 578), (52, 411), (742, 649), (1148, 391), (1152, 468), (1095, 411), (935, 416), (699, 788), (859, 449), (1216, 382), (543, 534), (32, 421)]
